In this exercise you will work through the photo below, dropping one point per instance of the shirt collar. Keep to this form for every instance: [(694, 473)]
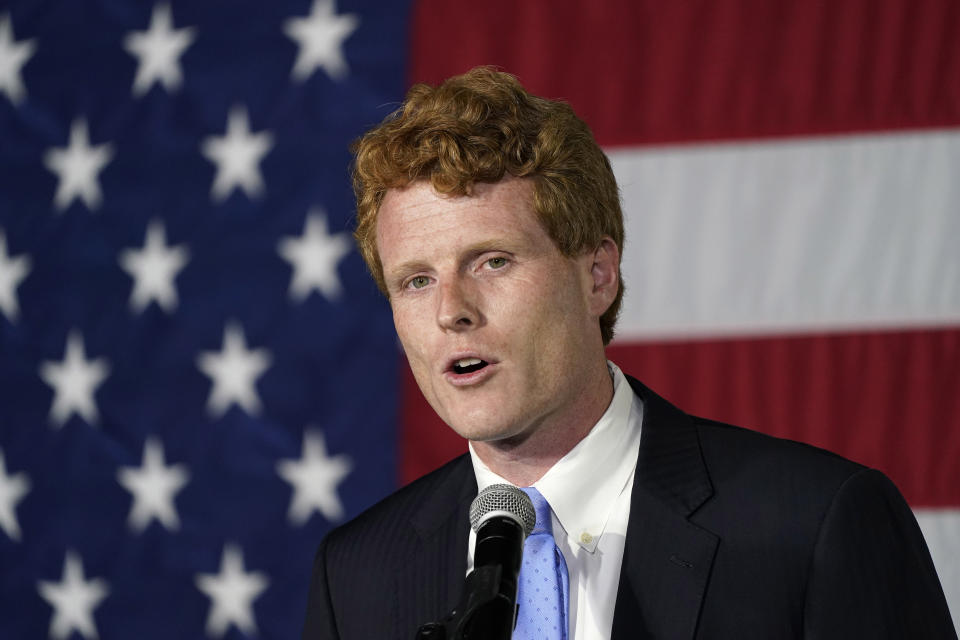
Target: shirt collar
[(583, 485)]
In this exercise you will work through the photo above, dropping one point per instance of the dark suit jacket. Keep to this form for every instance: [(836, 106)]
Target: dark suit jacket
[(732, 534)]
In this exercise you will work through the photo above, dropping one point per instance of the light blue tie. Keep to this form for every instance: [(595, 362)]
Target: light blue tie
[(544, 590)]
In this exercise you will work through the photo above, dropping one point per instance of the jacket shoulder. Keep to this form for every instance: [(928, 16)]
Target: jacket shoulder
[(726, 445), (792, 483), (400, 554), (409, 512)]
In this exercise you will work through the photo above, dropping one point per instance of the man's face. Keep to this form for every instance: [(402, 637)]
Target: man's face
[(495, 322)]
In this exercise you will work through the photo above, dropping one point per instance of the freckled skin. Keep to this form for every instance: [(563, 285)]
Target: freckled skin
[(479, 275)]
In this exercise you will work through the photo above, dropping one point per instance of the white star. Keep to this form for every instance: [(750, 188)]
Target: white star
[(77, 166), (234, 371), (12, 490), (314, 478), (74, 382), (320, 37), (237, 156), (73, 599), (13, 55), (159, 49), (153, 269), (153, 486), (314, 257), (231, 593), (12, 273)]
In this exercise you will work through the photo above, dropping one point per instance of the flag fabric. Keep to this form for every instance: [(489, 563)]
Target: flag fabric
[(198, 379), (789, 175), (197, 376)]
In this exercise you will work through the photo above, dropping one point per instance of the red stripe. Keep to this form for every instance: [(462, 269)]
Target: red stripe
[(886, 399), (648, 71)]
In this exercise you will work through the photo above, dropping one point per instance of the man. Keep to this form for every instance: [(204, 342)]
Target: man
[(491, 220)]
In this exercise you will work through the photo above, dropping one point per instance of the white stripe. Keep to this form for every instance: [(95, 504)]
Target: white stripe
[(941, 528), (791, 235)]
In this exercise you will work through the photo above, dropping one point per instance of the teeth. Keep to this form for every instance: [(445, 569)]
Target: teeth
[(468, 362)]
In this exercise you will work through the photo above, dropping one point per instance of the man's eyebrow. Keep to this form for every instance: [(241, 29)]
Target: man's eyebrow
[(404, 268), (493, 244)]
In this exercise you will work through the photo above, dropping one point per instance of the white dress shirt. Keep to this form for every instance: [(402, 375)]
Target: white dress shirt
[(589, 494)]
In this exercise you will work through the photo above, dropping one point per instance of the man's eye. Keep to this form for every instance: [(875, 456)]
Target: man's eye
[(419, 282), (497, 263)]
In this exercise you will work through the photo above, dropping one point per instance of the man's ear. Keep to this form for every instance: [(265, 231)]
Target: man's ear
[(605, 273)]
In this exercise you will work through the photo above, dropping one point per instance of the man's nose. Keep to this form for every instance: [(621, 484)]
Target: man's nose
[(458, 307)]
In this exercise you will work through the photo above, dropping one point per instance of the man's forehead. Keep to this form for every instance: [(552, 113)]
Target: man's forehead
[(417, 224)]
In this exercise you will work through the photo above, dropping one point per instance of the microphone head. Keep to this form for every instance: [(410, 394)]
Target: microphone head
[(503, 500)]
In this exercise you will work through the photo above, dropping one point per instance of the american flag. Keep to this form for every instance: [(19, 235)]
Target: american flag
[(198, 379)]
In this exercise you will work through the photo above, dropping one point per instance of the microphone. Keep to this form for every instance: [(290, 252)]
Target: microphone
[(502, 517)]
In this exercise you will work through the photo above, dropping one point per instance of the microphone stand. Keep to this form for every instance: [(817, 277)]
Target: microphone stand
[(487, 609), (482, 614)]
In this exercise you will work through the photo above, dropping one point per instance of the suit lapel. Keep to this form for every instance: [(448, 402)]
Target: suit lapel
[(667, 559), (430, 582)]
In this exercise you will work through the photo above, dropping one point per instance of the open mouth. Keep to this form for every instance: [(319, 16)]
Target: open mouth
[(468, 365)]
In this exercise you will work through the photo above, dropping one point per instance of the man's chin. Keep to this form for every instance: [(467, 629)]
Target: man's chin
[(498, 436), (481, 422)]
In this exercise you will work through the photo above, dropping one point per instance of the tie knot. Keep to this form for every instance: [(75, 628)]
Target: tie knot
[(542, 509)]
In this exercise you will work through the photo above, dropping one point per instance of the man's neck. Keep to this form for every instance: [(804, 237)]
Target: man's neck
[(524, 461)]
